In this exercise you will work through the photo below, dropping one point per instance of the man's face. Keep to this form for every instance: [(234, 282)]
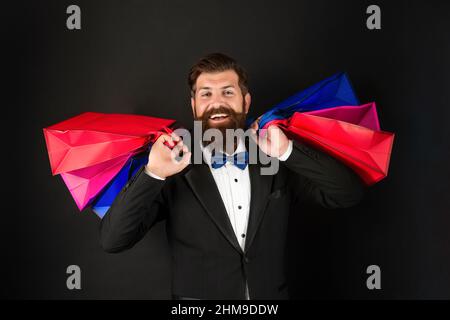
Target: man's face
[(218, 101)]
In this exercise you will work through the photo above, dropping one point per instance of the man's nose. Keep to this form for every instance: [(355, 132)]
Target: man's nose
[(215, 105), (216, 101)]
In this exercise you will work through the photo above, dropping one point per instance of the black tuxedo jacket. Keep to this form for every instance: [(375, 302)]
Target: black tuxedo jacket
[(207, 261)]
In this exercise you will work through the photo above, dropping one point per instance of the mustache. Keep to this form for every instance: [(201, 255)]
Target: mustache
[(236, 120), (221, 109)]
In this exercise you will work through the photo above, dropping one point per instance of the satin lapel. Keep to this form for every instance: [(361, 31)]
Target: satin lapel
[(205, 189), (261, 186)]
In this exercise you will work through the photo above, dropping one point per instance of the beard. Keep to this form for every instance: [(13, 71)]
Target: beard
[(234, 120)]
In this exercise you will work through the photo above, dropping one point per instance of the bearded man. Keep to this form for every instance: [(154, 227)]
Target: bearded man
[(226, 221)]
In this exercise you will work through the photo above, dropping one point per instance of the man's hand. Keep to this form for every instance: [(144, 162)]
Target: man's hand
[(162, 161), (273, 141)]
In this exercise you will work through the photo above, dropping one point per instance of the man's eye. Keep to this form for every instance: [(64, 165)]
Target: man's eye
[(206, 94), (228, 93)]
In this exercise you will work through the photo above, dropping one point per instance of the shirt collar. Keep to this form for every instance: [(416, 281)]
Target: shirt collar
[(207, 151)]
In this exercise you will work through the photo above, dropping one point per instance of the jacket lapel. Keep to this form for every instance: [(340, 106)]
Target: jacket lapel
[(261, 186), (205, 189)]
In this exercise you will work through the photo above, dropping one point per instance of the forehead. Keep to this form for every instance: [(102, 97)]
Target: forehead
[(217, 79)]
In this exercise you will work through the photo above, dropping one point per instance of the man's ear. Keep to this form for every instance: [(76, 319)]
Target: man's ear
[(248, 101)]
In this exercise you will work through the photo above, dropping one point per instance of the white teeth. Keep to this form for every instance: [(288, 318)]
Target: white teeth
[(218, 115)]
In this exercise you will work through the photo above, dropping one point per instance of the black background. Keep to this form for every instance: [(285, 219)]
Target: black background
[(133, 57)]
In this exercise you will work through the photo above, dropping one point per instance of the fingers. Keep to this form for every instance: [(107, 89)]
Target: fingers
[(254, 125), (186, 158), (170, 140), (253, 133), (262, 138), (270, 132), (180, 147), (165, 139), (273, 131), (176, 145), (177, 150), (175, 137)]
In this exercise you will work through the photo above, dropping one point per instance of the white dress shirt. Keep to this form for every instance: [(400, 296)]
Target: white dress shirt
[(234, 188)]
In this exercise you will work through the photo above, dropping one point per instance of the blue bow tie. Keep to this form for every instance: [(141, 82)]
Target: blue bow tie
[(239, 159)]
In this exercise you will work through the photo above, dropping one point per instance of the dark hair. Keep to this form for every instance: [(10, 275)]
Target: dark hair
[(217, 62)]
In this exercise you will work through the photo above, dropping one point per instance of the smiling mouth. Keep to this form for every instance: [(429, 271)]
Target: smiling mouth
[(218, 117)]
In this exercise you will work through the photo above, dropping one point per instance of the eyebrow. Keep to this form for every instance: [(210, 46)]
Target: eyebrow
[(225, 87)]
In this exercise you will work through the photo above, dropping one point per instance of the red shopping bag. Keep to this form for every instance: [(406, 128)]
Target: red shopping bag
[(364, 150), (92, 138)]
